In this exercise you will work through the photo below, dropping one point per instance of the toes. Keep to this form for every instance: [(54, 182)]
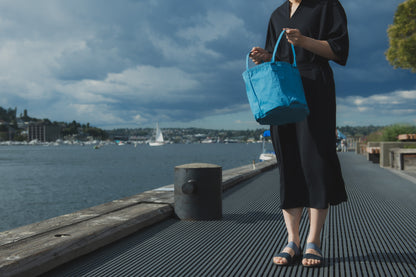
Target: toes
[(309, 262), (279, 260)]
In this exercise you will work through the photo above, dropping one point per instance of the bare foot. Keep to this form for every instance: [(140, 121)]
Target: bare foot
[(282, 260), (310, 260)]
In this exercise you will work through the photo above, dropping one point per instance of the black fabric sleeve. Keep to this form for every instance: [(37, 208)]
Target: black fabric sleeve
[(338, 32), (271, 38)]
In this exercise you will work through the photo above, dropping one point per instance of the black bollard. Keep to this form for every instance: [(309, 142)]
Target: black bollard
[(198, 191)]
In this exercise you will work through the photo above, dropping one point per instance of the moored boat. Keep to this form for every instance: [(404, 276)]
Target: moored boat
[(266, 155)]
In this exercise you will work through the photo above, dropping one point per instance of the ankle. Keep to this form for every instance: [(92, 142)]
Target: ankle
[(296, 240), (317, 242)]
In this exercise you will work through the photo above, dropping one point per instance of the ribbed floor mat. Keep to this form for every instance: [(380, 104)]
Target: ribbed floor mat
[(373, 234)]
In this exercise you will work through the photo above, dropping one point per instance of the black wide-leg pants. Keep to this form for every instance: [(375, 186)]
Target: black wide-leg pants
[(310, 172)]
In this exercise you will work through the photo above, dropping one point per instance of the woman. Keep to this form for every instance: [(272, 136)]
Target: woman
[(310, 173)]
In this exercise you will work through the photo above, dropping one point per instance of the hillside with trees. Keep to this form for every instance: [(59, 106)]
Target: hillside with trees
[(359, 131), (390, 133), (8, 115), (13, 127)]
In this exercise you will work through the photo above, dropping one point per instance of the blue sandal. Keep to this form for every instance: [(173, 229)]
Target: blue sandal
[(287, 256), (320, 258)]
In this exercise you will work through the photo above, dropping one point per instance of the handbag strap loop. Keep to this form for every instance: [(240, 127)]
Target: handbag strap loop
[(277, 44), (275, 50)]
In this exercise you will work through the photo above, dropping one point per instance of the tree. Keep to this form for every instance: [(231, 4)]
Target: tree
[(402, 37), (8, 115), (391, 132), (97, 133)]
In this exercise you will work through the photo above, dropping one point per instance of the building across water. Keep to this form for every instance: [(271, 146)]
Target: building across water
[(43, 132)]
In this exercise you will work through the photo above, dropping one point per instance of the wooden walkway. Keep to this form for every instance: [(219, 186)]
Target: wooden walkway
[(373, 234)]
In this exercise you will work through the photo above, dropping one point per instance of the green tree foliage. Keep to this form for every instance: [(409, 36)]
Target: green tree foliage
[(4, 136), (4, 128), (402, 36), (359, 131), (96, 133), (375, 136), (73, 128), (8, 115), (20, 137), (390, 133)]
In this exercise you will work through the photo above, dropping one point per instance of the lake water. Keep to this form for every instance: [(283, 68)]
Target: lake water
[(39, 182)]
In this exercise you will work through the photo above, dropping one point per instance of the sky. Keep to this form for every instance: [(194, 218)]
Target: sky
[(130, 64)]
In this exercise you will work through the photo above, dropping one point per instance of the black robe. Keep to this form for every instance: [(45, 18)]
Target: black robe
[(310, 173)]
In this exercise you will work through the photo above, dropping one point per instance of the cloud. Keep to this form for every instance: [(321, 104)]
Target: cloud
[(385, 101), (124, 63), (99, 113), (378, 109), (139, 86), (116, 59), (214, 26)]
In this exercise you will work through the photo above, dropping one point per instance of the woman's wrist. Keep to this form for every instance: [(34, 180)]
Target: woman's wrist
[(303, 41), (319, 47), (267, 57)]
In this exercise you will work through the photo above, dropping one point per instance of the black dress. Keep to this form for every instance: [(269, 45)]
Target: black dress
[(310, 173)]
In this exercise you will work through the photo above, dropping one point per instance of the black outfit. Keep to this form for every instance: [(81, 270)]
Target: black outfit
[(310, 172)]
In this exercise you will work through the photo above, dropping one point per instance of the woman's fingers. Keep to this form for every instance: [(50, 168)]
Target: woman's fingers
[(257, 54), (293, 36)]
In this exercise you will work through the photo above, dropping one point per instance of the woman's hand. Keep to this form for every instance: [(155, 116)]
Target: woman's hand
[(319, 47), (259, 55), (294, 36)]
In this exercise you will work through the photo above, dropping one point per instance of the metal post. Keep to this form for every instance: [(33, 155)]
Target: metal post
[(198, 191)]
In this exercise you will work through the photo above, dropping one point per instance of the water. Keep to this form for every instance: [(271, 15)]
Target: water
[(39, 182)]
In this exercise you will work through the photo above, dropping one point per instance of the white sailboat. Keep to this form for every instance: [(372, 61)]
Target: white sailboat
[(158, 138)]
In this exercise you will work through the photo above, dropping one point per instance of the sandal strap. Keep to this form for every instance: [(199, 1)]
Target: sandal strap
[(286, 256), (313, 257), (295, 248), (313, 246)]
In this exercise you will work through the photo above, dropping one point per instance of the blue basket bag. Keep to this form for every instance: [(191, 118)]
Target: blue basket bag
[(275, 91)]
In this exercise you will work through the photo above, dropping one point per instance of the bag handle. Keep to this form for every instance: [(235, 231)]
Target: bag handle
[(277, 44), (275, 51)]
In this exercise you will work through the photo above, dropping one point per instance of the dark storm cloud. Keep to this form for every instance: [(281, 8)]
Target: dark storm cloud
[(123, 62)]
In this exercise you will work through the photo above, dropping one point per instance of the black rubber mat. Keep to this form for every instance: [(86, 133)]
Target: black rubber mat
[(373, 234)]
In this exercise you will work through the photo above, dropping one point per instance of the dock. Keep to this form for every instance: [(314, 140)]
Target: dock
[(36, 248), (373, 234)]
